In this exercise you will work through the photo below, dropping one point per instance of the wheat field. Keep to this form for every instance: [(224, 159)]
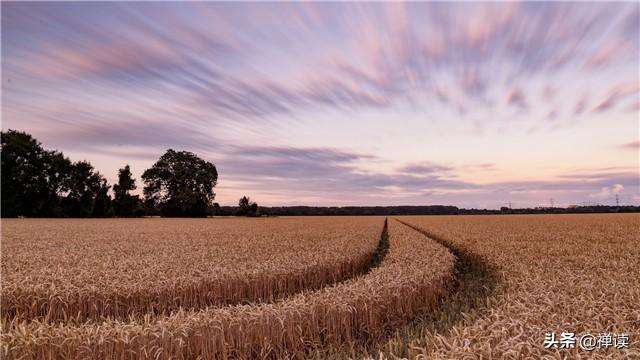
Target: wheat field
[(532, 274), (75, 270), (413, 275), (425, 287)]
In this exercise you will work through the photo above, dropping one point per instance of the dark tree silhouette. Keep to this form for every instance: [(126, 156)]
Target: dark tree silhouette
[(214, 209), (125, 204), (253, 209), (243, 203), (102, 205), (32, 178), (57, 169), (42, 183), (85, 186), (247, 207), (180, 184)]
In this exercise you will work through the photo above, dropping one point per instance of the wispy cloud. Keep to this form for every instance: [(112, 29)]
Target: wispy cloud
[(516, 98), (632, 145), (295, 98), (580, 106), (425, 168), (396, 55), (616, 93)]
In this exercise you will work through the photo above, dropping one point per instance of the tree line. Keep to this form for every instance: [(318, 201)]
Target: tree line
[(44, 183)]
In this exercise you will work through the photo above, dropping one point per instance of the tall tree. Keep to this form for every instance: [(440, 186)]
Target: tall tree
[(32, 178), (102, 204), (41, 183), (180, 184), (85, 185), (125, 204), (57, 169), (247, 207)]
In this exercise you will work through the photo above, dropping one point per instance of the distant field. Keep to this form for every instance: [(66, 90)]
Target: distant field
[(442, 287)]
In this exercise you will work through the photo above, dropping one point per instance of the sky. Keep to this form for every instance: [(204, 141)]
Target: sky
[(468, 104)]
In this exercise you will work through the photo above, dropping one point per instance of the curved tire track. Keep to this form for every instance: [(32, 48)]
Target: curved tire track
[(475, 280)]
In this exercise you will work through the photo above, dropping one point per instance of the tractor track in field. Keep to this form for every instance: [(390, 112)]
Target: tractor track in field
[(365, 265), (474, 282)]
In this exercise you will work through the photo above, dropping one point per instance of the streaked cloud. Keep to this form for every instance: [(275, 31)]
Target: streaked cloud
[(632, 145), (618, 92), (424, 168), (516, 98), (333, 102), (581, 105)]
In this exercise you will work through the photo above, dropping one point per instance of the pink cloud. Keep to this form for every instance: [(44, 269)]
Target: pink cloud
[(549, 92), (633, 145), (479, 30), (581, 105), (487, 166), (441, 94), (487, 22), (634, 107), (435, 45), (397, 19), (616, 93), (625, 89), (605, 104), (606, 54), (516, 97), (102, 58), (470, 82), (370, 49)]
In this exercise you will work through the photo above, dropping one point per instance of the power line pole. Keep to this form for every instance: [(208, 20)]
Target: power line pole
[(617, 200), (551, 201)]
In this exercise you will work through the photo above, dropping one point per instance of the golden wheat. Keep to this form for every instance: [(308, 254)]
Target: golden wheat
[(413, 275), (556, 273), (77, 270)]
